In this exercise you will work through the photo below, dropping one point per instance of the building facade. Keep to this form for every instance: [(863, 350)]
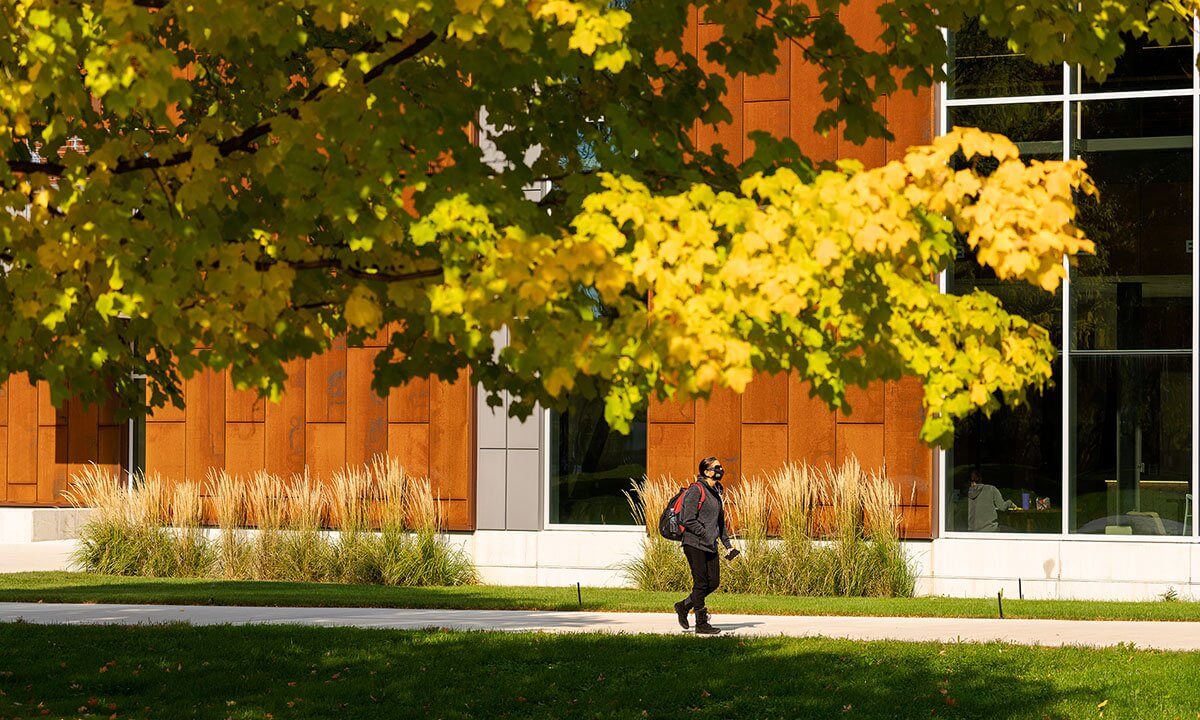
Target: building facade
[(1100, 469)]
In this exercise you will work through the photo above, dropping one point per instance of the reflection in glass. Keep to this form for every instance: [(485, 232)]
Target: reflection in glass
[(1145, 66), (1131, 444), (983, 66), (1136, 292), (591, 465), (1018, 452), (1036, 128)]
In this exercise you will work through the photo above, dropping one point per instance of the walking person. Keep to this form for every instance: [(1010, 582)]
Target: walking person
[(702, 516)]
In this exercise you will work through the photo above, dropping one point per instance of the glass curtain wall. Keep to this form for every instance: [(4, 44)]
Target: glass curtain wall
[(1109, 449)]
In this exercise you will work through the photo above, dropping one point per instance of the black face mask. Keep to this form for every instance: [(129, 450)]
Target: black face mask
[(718, 473)]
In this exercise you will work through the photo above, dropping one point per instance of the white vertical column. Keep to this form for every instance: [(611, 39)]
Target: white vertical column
[(1195, 479), (1065, 358)]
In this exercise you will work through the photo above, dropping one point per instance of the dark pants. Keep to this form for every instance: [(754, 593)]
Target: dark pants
[(706, 577)]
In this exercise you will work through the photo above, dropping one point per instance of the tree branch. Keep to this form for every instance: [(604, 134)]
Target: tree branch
[(356, 272), (243, 141)]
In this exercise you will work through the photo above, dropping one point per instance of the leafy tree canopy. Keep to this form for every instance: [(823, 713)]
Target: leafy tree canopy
[(233, 185)]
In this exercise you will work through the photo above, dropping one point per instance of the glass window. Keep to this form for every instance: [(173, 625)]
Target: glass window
[(1145, 66), (1036, 128), (591, 465), (1131, 437), (984, 66)]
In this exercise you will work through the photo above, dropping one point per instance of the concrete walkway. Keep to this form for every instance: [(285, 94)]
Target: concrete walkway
[(1158, 635)]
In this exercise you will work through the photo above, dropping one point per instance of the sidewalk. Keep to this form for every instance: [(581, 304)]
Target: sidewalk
[(1156, 635)]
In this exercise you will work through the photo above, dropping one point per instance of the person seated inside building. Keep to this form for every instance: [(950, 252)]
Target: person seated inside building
[(984, 503)]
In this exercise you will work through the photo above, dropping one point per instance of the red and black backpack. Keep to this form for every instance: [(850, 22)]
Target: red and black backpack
[(669, 525)]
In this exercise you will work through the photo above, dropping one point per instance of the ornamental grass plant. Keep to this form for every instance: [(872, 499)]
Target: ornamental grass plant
[(369, 524), (802, 531)]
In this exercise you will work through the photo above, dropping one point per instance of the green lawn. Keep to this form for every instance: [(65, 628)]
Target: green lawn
[(82, 587), (292, 673)]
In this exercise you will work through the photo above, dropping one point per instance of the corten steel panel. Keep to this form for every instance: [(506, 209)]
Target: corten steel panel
[(325, 396), (243, 405), (456, 513), (812, 427), (245, 448), (284, 426), (3, 403), (22, 494), (107, 414), (83, 438), (773, 86), (409, 403), (409, 442), (864, 25), (770, 116), (48, 414), (864, 442), (166, 451), (670, 451), (910, 118), (764, 449), (718, 431), (326, 449), (806, 105), (381, 338), (110, 440), (204, 435), (916, 521), (3, 465), (728, 135), (671, 411), (22, 433), (52, 463), (909, 461), (866, 404), (366, 412), (168, 413), (450, 437), (766, 399)]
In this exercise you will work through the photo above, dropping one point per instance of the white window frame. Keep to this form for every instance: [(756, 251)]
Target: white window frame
[(546, 460), (941, 461)]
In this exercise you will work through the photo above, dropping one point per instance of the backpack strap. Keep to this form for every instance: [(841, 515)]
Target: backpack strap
[(679, 501)]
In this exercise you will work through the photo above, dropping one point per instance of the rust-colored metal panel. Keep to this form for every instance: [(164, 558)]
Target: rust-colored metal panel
[(245, 448), (107, 414), (325, 396), (83, 438), (862, 441), (812, 426), (366, 412), (169, 413), (52, 463), (764, 449), (48, 414), (22, 494), (909, 461), (409, 443), (863, 23), (910, 118), (450, 449), (204, 439), (284, 426), (719, 431), (3, 403), (243, 405), (775, 86), (22, 432), (166, 449), (3, 463), (670, 411), (409, 403), (728, 135), (806, 105), (916, 522), (766, 399), (109, 444), (866, 404), (670, 451), (771, 116), (456, 514), (326, 448)]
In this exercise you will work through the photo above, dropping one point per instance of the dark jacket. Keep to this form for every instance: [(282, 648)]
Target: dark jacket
[(984, 503), (704, 524)]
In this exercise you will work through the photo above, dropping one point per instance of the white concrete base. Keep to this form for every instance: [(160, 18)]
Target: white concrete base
[(36, 556), (24, 525)]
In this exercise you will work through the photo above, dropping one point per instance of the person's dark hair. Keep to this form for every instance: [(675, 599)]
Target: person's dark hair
[(707, 464)]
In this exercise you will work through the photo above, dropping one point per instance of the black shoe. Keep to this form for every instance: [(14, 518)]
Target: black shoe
[(706, 629), (681, 610)]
